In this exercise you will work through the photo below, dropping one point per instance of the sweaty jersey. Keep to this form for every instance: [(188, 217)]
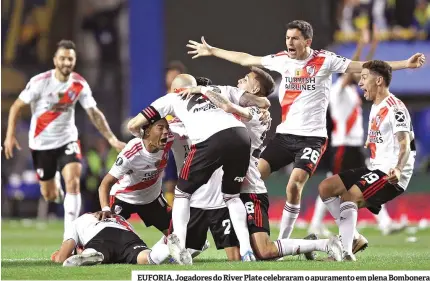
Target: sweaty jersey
[(139, 172), (53, 108), (209, 195), (385, 120), (257, 132), (200, 116), (347, 115), (84, 228), (304, 90)]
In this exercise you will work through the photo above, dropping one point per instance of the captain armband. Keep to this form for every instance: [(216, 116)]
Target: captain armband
[(151, 114)]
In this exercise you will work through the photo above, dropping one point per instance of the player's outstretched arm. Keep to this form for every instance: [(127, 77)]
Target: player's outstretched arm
[(204, 49), (104, 190), (10, 141), (415, 61), (99, 121)]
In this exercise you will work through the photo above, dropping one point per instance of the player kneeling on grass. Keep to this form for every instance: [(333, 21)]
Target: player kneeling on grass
[(134, 181), (391, 142), (111, 240)]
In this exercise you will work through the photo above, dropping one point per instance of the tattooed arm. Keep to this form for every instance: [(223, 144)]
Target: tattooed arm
[(248, 99), (405, 148), (225, 104), (403, 138), (99, 121)]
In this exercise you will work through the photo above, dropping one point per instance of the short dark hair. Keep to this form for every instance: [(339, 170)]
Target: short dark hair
[(381, 68), (203, 81), (176, 65), (267, 84), (66, 44), (304, 27)]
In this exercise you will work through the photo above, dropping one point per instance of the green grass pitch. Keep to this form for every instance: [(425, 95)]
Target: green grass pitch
[(26, 250)]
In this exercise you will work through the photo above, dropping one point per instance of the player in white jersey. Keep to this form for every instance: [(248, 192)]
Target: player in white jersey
[(218, 139), (347, 141), (53, 136), (253, 191), (134, 181), (111, 240), (303, 94), (207, 208), (391, 142)]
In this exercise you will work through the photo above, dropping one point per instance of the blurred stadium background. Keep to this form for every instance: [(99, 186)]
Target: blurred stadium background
[(125, 48)]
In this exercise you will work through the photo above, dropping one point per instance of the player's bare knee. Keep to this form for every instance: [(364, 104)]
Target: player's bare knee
[(263, 247), (48, 190), (325, 189), (142, 258), (295, 188), (48, 195), (72, 185), (264, 168)]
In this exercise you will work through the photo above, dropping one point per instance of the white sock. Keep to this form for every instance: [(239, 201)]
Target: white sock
[(333, 206), (237, 213), (383, 218), (319, 213), (158, 254), (163, 240), (289, 217), (181, 215), (293, 247), (347, 224), (72, 207)]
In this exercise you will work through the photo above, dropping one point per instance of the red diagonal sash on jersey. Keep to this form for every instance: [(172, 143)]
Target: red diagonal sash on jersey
[(291, 95), (46, 118), (352, 118), (374, 126), (160, 166), (139, 186)]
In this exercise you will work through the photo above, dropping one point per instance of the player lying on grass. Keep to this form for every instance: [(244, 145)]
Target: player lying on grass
[(253, 191), (111, 240)]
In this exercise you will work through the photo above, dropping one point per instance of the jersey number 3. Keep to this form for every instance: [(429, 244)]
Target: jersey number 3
[(72, 148)]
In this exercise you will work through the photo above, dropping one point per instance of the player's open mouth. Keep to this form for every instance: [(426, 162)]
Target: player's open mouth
[(163, 141), (291, 51)]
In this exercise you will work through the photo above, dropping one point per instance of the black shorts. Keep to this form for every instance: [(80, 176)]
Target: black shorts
[(217, 221), (48, 162), (375, 188), (304, 151), (229, 148), (346, 158), (117, 245), (157, 213), (257, 209)]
